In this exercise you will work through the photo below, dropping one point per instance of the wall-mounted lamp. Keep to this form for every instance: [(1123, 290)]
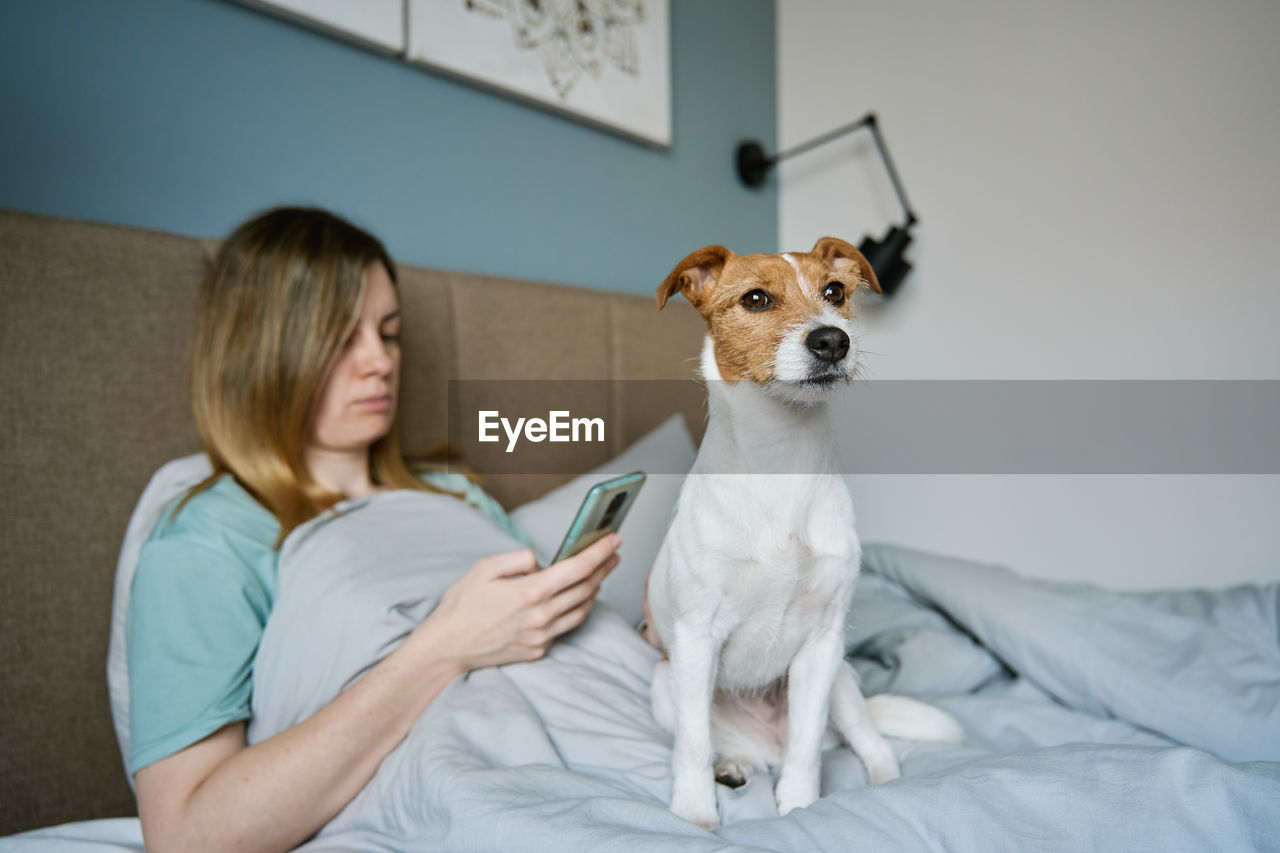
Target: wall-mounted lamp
[(886, 254)]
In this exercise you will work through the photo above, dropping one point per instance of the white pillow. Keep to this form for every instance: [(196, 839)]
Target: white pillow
[(668, 448), (168, 483)]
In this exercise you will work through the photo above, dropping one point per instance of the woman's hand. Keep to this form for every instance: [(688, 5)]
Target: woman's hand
[(504, 609)]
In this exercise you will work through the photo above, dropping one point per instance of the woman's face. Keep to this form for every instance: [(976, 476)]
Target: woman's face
[(358, 400)]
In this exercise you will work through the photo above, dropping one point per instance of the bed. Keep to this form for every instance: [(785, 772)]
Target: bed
[(1095, 719)]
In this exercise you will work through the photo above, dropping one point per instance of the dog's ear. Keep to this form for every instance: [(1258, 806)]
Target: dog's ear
[(842, 257), (692, 275)]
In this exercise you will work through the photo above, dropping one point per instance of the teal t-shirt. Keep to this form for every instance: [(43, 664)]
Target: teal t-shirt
[(204, 587)]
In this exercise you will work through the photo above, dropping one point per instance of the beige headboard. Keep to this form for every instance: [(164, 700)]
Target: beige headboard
[(95, 326)]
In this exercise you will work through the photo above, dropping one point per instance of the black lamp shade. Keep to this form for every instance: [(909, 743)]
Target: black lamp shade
[(885, 257)]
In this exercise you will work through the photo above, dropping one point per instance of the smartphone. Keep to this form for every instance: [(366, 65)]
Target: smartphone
[(602, 512)]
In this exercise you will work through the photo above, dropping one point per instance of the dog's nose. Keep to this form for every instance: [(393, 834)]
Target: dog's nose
[(828, 343)]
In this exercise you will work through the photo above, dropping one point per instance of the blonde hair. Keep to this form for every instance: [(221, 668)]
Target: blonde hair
[(274, 312)]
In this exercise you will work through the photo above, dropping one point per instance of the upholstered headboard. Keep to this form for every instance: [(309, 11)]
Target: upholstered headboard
[(95, 331)]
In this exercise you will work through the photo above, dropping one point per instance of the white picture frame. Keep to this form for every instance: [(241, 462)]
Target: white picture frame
[(606, 62)]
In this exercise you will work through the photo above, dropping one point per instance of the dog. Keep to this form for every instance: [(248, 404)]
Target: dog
[(749, 593)]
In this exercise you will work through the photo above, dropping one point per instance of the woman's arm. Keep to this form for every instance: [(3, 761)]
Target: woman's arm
[(221, 794)]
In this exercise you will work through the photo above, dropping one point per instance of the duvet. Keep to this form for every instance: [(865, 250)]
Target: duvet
[(1095, 720)]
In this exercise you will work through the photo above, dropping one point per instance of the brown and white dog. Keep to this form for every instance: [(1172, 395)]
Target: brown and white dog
[(749, 593)]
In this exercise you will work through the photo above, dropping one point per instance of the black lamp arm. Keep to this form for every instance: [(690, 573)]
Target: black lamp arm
[(754, 164)]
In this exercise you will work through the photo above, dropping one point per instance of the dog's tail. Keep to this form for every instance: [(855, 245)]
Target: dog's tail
[(911, 719)]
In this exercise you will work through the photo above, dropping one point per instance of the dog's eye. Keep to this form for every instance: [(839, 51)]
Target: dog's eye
[(756, 300), (834, 293)]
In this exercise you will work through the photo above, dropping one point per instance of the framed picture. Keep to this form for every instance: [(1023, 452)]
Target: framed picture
[(607, 62)]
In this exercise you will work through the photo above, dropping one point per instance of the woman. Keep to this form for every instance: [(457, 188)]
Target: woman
[(294, 380)]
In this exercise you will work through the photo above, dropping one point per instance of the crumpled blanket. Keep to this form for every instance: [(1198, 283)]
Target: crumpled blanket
[(1095, 719)]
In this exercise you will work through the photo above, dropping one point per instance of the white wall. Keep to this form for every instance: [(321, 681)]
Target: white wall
[(1099, 192)]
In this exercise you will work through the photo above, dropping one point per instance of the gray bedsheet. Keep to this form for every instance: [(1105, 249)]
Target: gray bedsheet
[(1096, 720)]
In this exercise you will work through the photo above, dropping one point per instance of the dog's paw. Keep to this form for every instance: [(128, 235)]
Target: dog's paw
[(703, 814), (733, 773), (696, 804), (795, 791)]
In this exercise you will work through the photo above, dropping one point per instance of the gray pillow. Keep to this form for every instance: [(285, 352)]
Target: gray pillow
[(166, 485)]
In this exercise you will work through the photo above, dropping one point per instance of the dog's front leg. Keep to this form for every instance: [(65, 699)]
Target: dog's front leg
[(693, 672), (809, 680)]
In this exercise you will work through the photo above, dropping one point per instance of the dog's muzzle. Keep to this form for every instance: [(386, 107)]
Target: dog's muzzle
[(828, 344)]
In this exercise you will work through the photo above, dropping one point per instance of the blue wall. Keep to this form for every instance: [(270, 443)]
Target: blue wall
[(189, 115)]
